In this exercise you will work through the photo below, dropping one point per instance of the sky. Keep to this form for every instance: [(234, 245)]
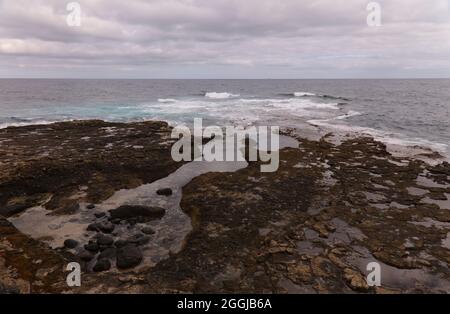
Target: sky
[(224, 39)]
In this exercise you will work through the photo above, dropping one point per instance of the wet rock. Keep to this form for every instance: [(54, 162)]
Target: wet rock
[(91, 247), (93, 227), (102, 265), (70, 244), (100, 215), (132, 211), (120, 243), (128, 256), (164, 192), (108, 253), (106, 227), (138, 239), (86, 256), (116, 221), (103, 240), (148, 230), (10, 210)]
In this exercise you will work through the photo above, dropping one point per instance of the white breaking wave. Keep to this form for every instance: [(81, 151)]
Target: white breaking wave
[(303, 94), (304, 104), (292, 103), (166, 100), (349, 114), (214, 95), (388, 138), (34, 122)]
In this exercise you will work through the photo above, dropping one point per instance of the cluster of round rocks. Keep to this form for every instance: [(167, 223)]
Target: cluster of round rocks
[(103, 247)]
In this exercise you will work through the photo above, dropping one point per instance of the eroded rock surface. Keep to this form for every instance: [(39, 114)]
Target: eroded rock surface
[(63, 164), (312, 226)]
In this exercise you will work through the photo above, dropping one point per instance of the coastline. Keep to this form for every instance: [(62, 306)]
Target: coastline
[(309, 227)]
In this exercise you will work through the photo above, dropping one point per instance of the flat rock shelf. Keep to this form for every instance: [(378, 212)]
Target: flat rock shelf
[(98, 193)]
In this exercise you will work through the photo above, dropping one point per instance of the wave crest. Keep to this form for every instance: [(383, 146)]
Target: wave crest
[(215, 95)]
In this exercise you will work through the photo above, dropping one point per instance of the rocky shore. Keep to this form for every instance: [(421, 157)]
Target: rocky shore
[(311, 227)]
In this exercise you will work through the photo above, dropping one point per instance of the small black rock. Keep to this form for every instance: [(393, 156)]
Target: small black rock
[(104, 240), (86, 256), (165, 191), (90, 206), (108, 253), (99, 214), (128, 256), (102, 265), (120, 243), (91, 247), (106, 227), (70, 243), (94, 227), (148, 230), (139, 239)]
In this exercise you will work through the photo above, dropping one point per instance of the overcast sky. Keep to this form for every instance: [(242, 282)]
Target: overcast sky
[(224, 39)]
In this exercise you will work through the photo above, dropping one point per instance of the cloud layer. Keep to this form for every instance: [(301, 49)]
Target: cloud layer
[(224, 39)]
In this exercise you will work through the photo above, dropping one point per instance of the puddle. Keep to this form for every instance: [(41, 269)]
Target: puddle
[(446, 241), (429, 183), (429, 223), (404, 279), (441, 203), (344, 233), (416, 191), (307, 247), (373, 197)]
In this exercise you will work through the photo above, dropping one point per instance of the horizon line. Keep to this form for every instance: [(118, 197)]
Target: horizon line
[(162, 78)]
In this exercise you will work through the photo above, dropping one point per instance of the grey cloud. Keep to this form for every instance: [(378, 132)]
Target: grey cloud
[(177, 38)]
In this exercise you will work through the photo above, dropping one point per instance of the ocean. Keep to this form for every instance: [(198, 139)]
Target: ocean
[(410, 112)]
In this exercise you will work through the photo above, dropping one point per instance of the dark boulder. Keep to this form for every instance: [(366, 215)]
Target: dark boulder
[(93, 227), (104, 240), (128, 256), (106, 227), (70, 244), (86, 256), (148, 230), (10, 210), (108, 253), (102, 265), (138, 239), (99, 215), (91, 247), (120, 243), (132, 211)]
